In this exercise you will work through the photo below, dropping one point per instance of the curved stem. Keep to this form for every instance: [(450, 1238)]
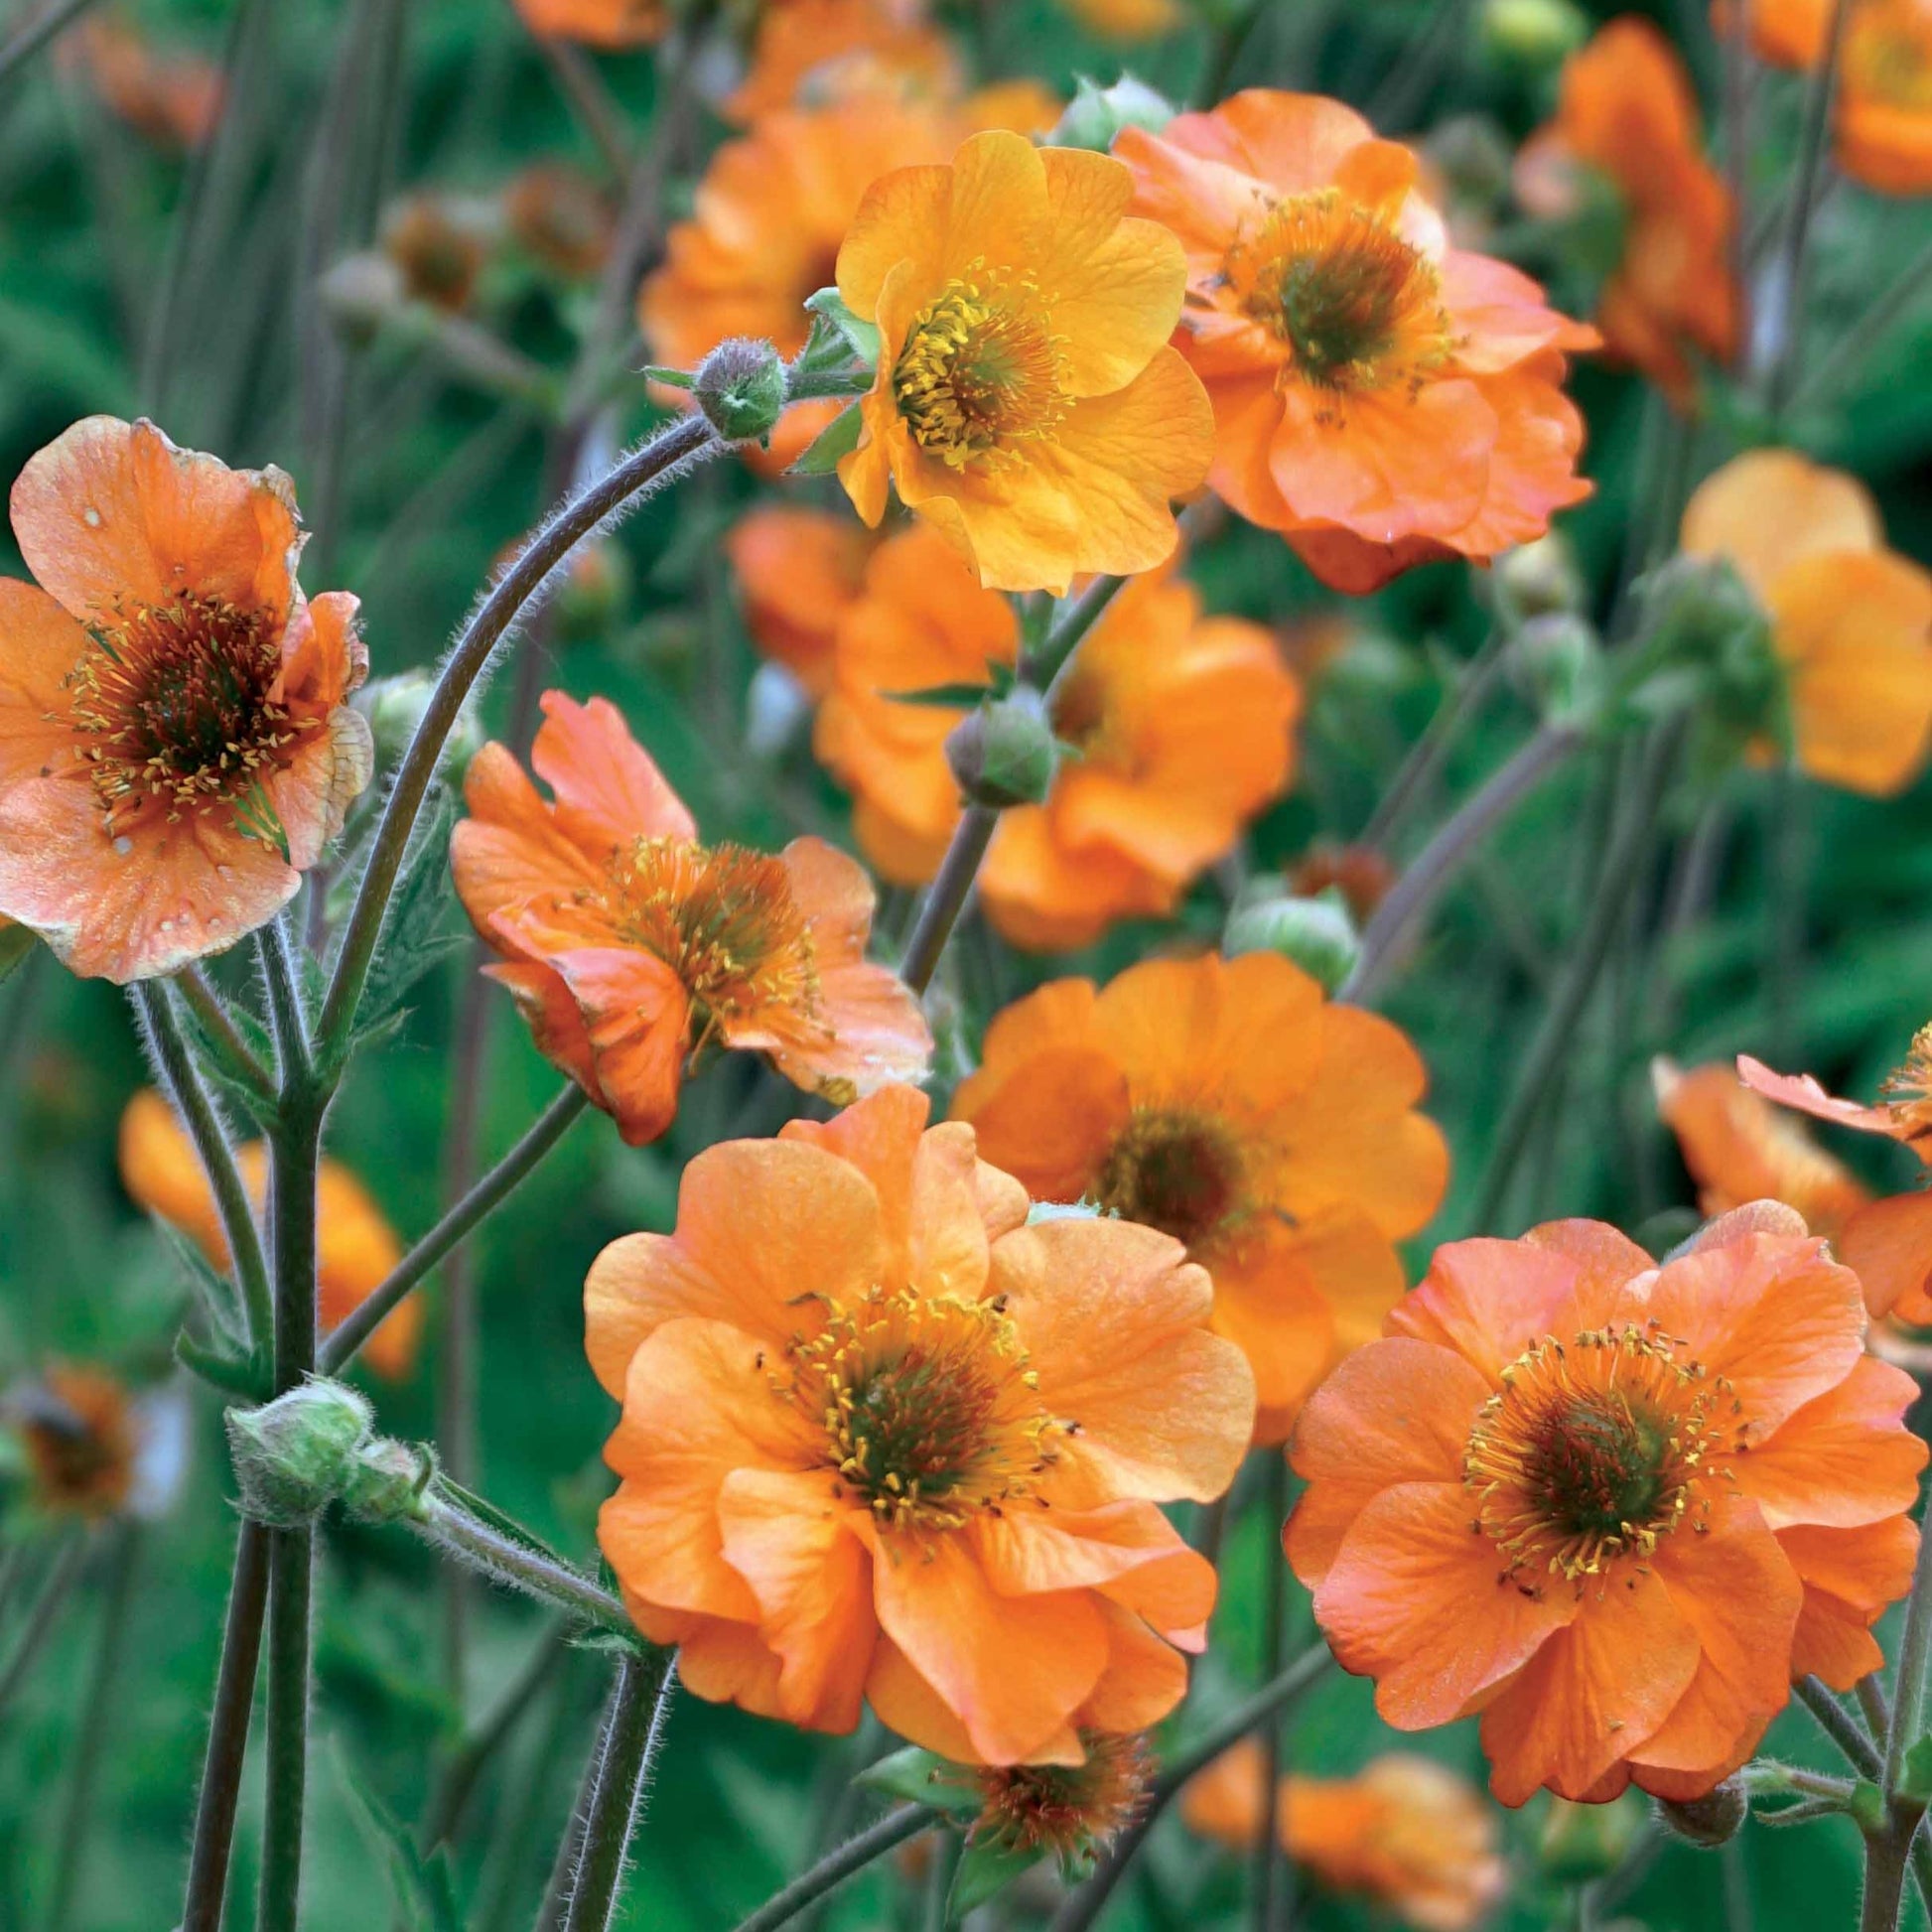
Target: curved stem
[(485, 1195), (184, 1083), (632, 1728), (669, 453), (1839, 1725), (1425, 757), (227, 1738), (832, 1870), (946, 896)]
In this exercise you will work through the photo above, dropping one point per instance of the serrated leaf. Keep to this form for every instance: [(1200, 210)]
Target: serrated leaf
[(839, 438), (984, 1872), (860, 335), (920, 1778), (423, 1887), (413, 939), (16, 942)]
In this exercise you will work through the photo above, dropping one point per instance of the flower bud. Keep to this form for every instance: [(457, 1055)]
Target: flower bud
[(1559, 660), (1709, 635), (1540, 578), (595, 590), (1584, 1842), (1003, 752), (740, 387), (386, 1479), (1316, 934), (1533, 33), (1709, 1820), (1096, 114), (295, 1455), (361, 293)]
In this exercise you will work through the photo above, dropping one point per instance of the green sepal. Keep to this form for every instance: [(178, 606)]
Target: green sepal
[(1869, 1808), (669, 378), (985, 1869), (922, 1778), (859, 335), (1000, 681), (247, 1376), (838, 439), (1915, 1785)]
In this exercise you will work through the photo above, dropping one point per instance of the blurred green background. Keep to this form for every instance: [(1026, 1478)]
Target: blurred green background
[(138, 280)]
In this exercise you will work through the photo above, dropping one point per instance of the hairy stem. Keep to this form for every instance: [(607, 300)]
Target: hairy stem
[(832, 1870), (238, 1059), (1839, 1725), (1914, 1656), (632, 1729), (291, 1560)]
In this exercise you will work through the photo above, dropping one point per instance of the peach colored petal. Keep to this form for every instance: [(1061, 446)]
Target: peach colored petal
[(1769, 508), (1843, 1458), (1488, 1299), (1887, 1244), (608, 790)]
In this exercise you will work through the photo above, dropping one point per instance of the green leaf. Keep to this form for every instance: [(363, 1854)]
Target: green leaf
[(943, 697), (861, 337), (16, 942), (922, 1778), (249, 1376), (669, 378), (423, 1887), (214, 1289), (415, 936), (1916, 1783), (984, 1872), (839, 438)]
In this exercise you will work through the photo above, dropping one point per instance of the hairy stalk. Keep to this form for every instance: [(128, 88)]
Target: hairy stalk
[(84, 1754), (1426, 758), (291, 1564), (1425, 880), (237, 1059), (633, 1728), (33, 35), (1839, 1725), (227, 1740), (182, 1081), (669, 453), (1914, 1658), (832, 1870), (1887, 1861), (44, 1616)]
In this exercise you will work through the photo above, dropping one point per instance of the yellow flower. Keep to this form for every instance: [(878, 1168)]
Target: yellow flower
[(1027, 404)]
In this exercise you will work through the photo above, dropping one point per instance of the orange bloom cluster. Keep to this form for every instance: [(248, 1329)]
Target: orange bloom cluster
[(1628, 116), (171, 98), (797, 571), (1405, 1832), (1027, 403), (1850, 621), (1688, 1485), (1181, 725), (175, 745), (1380, 398), (631, 947), (869, 1450), (357, 1250), (1231, 1105), (596, 22)]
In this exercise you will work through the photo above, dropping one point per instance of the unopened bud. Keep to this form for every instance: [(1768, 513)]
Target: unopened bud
[(394, 707), (360, 293), (1004, 754), (1534, 33), (1707, 632), (1561, 663), (740, 387), (297, 1454), (1542, 578), (1584, 1842), (1709, 1820), (595, 590), (1317, 935), (1096, 114)]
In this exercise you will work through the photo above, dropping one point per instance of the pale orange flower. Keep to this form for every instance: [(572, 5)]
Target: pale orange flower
[(764, 232), (175, 745), (171, 98), (560, 216), (1380, 398), (818, 52), (1405, 1832), (440, 244), (631, 947), (1884, 103), (1888, 1241), (1027, 403), (1127, 20), (596, 22), (1230, 1104), (797, 571), (357, 1250), (1850, 621), (1687, 1484), (1183, 723), (1629, 116), (82, 1435), (870, 1453)]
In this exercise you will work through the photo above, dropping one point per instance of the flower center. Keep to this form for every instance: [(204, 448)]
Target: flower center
[(1175, 1171), (724, 920), (1358, 308), (1072, 1810), (929, 1409), (178, 703), (1890, 61), (1909, 1089), (1594, 1450), (980, 370)]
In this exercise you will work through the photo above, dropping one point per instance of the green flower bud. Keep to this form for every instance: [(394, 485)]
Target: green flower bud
[(740, 387), (295, 1455), (1709, 1820), (386, 1481), (1004, 754), (394, 707), (1318, 934), (1533, 33), (1560, 661), (1542, 579), (1709, 638), (1096, 113), (360, 294)]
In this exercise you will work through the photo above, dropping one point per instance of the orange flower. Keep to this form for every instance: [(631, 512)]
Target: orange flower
[(818, 52), (171, 98), (1884, 105), (1407, 1832), (1127, 20), (175, 745), (596, 22), (1788, 33), (1027, 404), (764, 232), (631, 947), (1629, 114), (1380, 398), (1229, 1104), (1850, 619), (797, 571), (1688, 1485), (440, 244), (1887, 1242), (357, 1249), (561, 217), (1184, 725), (869, 1452), (82, 1438)]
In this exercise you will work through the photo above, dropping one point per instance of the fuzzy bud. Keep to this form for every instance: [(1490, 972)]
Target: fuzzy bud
[(297, 1454), (1096, 114), (394, 707), (361, 293), (1317, 935), (740, 387), (1003, 752), (1561, 663), (1709, 1820), (1541, 578), (1711, 639), (1533, 33)]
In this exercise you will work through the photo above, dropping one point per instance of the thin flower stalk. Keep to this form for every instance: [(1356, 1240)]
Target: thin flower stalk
[(833, 1870), (632, 1730)]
